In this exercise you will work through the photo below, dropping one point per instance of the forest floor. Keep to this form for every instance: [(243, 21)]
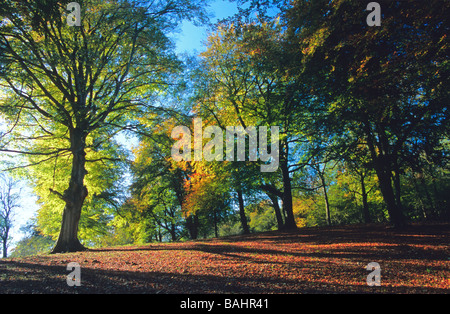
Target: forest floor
[(310, 260)]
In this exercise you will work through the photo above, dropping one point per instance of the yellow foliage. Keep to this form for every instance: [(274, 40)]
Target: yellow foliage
[(301, 206)]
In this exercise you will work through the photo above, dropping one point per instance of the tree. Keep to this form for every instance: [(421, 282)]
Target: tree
[(379, 87), (74, 87), (247, 82), (157, 186), (106, 184), (9, 202), (33, 243), (207, 196)]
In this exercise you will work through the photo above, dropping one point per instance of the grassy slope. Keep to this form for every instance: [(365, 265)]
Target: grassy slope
[(312, 260)]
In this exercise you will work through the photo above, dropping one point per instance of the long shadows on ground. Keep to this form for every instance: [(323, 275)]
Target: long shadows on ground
[(326, 260)]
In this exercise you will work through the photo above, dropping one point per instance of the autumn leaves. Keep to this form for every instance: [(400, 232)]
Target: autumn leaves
[(213, 150)]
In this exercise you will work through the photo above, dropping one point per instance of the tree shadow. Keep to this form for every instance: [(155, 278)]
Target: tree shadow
[(32, 278), (311, 251), (393, 244)]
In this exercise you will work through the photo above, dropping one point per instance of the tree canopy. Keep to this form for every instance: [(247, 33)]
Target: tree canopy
[(70, 89), (362, 113)]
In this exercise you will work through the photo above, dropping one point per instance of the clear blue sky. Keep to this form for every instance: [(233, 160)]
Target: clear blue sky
[(191, 37), (188, 40)]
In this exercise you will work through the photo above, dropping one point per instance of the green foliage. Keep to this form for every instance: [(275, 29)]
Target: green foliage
[(362, 112), (262, 217), (33, 245), (34, 242), (348, 130), (379, 89), (105, 192), (67, 91)]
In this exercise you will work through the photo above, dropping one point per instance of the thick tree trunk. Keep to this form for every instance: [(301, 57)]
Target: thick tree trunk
[(287, 198), (192, 226), (383, 169), (74, 197), (173, 232), (245, 228), (68, 236), (385, 182)]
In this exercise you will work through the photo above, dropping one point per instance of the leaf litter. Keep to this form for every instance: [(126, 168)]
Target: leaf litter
[(310, 260)]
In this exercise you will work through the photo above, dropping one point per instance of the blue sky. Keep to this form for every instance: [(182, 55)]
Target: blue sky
[(191, 37), (188, 40)]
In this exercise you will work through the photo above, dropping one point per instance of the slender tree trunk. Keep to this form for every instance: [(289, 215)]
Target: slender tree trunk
[(325, 195), (242, 215), (5, 246), (427, 193), (5, 236), (419, 197), (216, 230), (273, 193), (327, 205), (277, 210), (74, 197), (365, 209), (397, 187)]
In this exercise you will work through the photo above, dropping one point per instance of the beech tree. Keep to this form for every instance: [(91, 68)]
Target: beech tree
[(75, 87), (247, 84), (380, 89)]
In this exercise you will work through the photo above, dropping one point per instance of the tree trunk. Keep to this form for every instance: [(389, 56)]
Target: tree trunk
[(427, 194), (365, 209), (327, 205), (216, 230), (244, 223), (276, 207), (74, 197), (383, 169), (5, 236), (273, 193), (396, 179), (419, 197), (287, 198), (192, 226), (325, 195), (173, 232), (385, 182), (5, 247), (68, 236)]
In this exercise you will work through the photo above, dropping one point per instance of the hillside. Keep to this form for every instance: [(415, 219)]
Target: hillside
[(311, 260)]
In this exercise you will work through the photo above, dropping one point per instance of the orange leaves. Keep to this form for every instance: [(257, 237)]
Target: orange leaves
[(316, 40), (362, 66), (331, 260), (204, 188)]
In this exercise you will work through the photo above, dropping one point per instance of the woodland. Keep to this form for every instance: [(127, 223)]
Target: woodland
[(87, 113)]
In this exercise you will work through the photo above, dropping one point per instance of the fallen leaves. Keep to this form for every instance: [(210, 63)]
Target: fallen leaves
[(330, 260)]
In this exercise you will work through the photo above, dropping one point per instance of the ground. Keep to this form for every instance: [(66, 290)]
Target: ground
[(310, 260)]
